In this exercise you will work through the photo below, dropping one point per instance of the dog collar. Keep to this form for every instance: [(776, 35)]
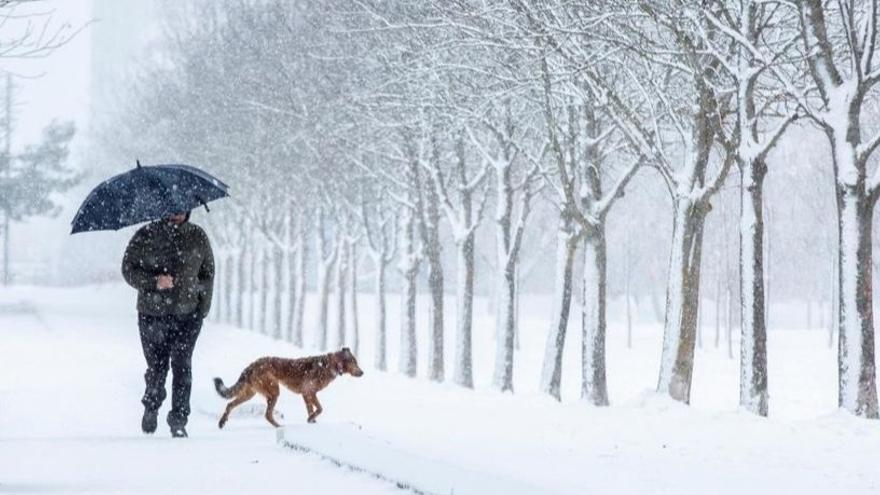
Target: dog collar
[(336, 369)]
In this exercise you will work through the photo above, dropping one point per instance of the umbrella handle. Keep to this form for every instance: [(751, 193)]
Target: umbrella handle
[(204, 203)]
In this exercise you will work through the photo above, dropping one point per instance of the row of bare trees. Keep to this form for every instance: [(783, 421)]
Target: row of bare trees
[(400, 129)]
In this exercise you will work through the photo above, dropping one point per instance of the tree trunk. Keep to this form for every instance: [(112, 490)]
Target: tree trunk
[(7, 268), (324, 273), (290, 294), (753, 395), (327, 258), (465, 305), (252, 281), (408, 351), (381, 352), (627, 282), (217, 309), (834, 321), (342, 293), (682, 300), (700, 325), (278, 286), (767, 260), (718, 307), (505, 327), (241, 286), (436, 371), (593, 384), (290, 280), (516, 308), (265, 264), (228, 286), (551, 374), (628, 291), (429, 230), (353, 298), (728, 304), (300, 289), (856, 366), (508, 239), (410, 268)]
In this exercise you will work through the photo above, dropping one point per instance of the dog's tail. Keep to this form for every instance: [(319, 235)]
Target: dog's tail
[(227, 393)]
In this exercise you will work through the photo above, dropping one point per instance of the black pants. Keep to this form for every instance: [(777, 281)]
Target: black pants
[(169, 340)]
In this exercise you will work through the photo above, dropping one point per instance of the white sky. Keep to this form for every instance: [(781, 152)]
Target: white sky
[(62, 91)]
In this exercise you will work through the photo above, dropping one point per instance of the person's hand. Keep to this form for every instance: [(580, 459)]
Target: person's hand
[(165, 282)]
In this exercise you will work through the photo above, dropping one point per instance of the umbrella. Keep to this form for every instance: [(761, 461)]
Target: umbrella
[(146, 193)]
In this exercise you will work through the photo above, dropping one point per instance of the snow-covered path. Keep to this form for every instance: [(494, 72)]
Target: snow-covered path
[(71, 379), (70, 385)]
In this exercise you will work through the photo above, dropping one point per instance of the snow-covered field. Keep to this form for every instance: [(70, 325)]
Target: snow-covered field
[(71, 378)]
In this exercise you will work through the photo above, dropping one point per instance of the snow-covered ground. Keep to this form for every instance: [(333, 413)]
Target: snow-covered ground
[(71, 378)]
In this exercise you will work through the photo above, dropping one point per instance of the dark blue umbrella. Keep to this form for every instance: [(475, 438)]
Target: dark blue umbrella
[(144, 194)]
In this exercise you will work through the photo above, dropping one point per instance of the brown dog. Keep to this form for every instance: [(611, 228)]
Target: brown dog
[(304, 376)]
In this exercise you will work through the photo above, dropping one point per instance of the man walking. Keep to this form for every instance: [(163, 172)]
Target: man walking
[(171, 264)]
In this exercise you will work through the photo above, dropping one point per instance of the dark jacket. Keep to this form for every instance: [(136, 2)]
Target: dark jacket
[(182, 251)]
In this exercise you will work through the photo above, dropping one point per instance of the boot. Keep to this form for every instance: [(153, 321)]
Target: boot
[(178, 432), (149, 421)]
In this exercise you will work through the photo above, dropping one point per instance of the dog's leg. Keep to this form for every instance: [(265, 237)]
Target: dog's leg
[(317, 407), (308, 406), (241, 399), (271, 399)]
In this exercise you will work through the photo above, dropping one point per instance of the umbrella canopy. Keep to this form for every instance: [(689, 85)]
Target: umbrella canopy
[(144, 194)]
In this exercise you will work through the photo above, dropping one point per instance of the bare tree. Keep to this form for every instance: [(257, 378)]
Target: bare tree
[(379, 223), (327, 254), (583, 149), (514, 184), (841, 40), (674, 126), (749, 25)]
